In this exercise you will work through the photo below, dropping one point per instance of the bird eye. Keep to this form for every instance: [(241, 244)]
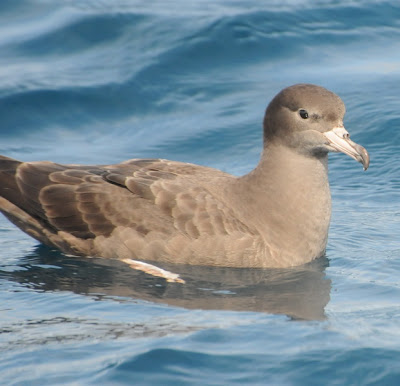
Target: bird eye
[(303, 113)]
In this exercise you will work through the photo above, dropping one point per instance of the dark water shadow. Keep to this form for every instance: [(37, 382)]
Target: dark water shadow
[(299, 292)]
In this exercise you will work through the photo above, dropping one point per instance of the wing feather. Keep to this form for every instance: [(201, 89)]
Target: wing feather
[(146, 207)]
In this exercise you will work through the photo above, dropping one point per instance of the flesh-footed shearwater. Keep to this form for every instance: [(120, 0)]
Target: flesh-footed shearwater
[(158, 210)]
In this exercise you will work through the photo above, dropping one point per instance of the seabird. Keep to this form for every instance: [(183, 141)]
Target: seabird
[(158, 210)]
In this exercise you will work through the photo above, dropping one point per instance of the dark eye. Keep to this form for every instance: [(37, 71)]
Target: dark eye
[(303, 113)]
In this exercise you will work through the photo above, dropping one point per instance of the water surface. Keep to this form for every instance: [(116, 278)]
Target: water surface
[(101, 81)]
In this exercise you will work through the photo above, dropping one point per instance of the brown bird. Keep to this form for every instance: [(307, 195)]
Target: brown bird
[(158, 210)]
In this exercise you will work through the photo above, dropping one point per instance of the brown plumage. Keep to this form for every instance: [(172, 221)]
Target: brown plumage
[(158, 210)]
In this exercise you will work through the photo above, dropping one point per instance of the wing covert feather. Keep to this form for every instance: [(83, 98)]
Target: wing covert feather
[(139, 208)]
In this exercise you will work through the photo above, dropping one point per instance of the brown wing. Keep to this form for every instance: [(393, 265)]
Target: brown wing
[(86, 201), (181, 191), (143, 200)]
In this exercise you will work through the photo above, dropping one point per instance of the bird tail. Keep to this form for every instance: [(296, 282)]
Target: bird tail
[(8, 182), (12, 202)]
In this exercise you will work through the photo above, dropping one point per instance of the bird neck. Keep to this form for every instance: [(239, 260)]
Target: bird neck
[(287, 169), (288, 196)]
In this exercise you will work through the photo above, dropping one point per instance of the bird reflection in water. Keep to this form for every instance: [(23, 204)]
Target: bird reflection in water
[(300, 292)]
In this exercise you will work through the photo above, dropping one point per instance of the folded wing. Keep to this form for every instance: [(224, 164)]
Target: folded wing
[(148, 209)]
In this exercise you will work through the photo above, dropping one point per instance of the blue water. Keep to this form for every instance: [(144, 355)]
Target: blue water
[(100, 81)]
